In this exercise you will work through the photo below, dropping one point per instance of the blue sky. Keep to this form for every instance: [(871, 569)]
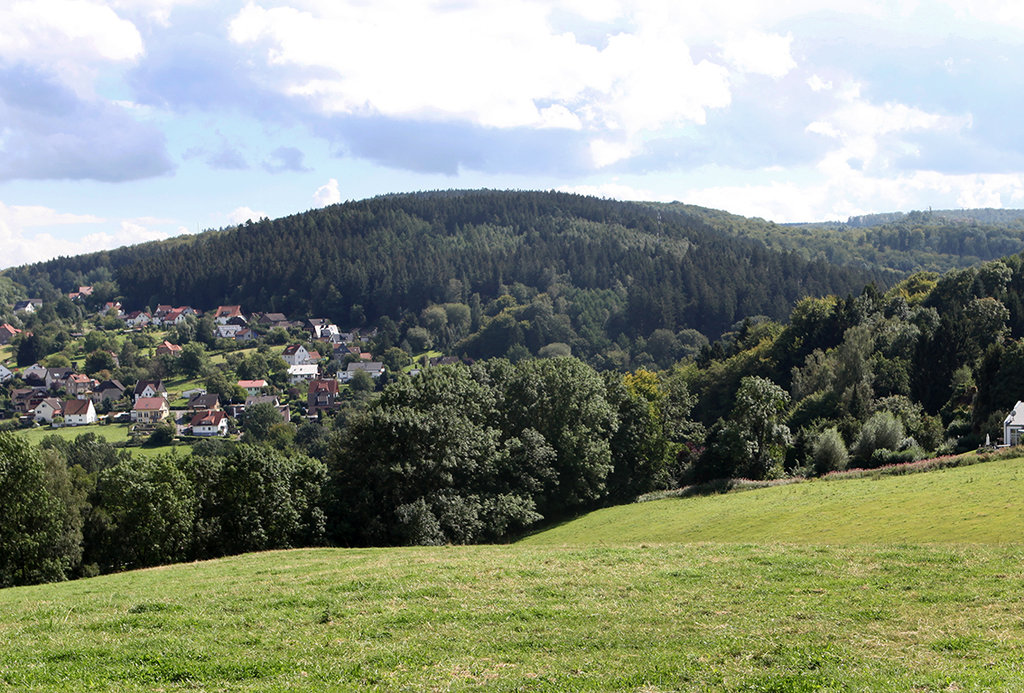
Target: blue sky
[(130, 120)]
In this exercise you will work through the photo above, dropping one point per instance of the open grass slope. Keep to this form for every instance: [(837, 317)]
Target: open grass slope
[(982, 503), (729, 617)]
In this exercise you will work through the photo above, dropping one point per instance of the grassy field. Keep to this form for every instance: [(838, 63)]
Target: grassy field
[(732, 617), (113, 433), (981, 503), (898, 583)]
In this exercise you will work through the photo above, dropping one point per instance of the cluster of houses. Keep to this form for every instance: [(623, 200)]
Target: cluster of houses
[(49, 393)]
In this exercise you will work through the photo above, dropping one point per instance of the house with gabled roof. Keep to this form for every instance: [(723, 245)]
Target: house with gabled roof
[(5, 373), (34, 375), (1013, 425), (57, 378), (28, 306), (226, 313), (150, 410), (298, 355), (80, 385), (79, 412), (175, 316), (138, 318), (149, 388), (322, 396), (253, 387), (204, 402), (108, 390), (48, 408), (210, 423), (374, 368), (166, 347), (7, 333), (25, 399)]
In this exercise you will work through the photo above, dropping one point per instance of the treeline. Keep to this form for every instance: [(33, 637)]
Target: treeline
[(457, 454), (899, 242), (396, 255)]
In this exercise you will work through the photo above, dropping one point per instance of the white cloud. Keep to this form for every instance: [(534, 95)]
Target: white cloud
[(21, 244), (868, 135), (327, 194), (604, 153), (851, 193), (760, 53), (67, 38), (497, 65), (816, 83), (240, 215)]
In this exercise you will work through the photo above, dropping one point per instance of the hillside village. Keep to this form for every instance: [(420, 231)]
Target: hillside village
[(199, 370)]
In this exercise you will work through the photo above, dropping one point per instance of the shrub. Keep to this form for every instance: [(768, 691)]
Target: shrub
[(829, 452), (881, 431)]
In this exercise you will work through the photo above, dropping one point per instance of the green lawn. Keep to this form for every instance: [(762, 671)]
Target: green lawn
[(983, 503), (113, 433), (722, 617)]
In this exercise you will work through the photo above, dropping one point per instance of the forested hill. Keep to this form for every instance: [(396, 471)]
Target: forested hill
[(610, 268), (936, 241)]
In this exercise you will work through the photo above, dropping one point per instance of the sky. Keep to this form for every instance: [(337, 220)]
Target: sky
[(124, 121)]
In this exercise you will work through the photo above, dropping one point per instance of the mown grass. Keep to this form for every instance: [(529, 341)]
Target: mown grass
[(732, 617), (112, 433), (982, 503)]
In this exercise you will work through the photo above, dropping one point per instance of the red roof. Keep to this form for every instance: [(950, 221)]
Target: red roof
[(228, 311), (208, 418), (316, 386), (77, 407), (150, 404), (246, 384)]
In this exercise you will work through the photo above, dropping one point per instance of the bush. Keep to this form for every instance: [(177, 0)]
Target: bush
[(829, 452), (882, 431)]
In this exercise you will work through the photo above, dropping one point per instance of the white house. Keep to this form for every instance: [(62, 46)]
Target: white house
[(1014, 425), (296, 355), (229, 331), (306, 371), (210, 423), (5, 373), (149, 389), (47, 409), (79, 412), (374, 368)]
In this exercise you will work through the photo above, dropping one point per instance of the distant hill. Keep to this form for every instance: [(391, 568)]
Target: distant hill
[(610, 268), (936, 240)]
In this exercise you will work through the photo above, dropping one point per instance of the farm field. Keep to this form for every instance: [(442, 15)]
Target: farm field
[(982, 503), (734, 617)]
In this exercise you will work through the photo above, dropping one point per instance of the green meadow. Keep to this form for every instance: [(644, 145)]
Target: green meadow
[(687, 594), (982, 503)]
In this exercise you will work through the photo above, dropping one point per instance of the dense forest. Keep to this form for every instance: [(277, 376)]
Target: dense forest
[(610, 268), (935, 241)]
